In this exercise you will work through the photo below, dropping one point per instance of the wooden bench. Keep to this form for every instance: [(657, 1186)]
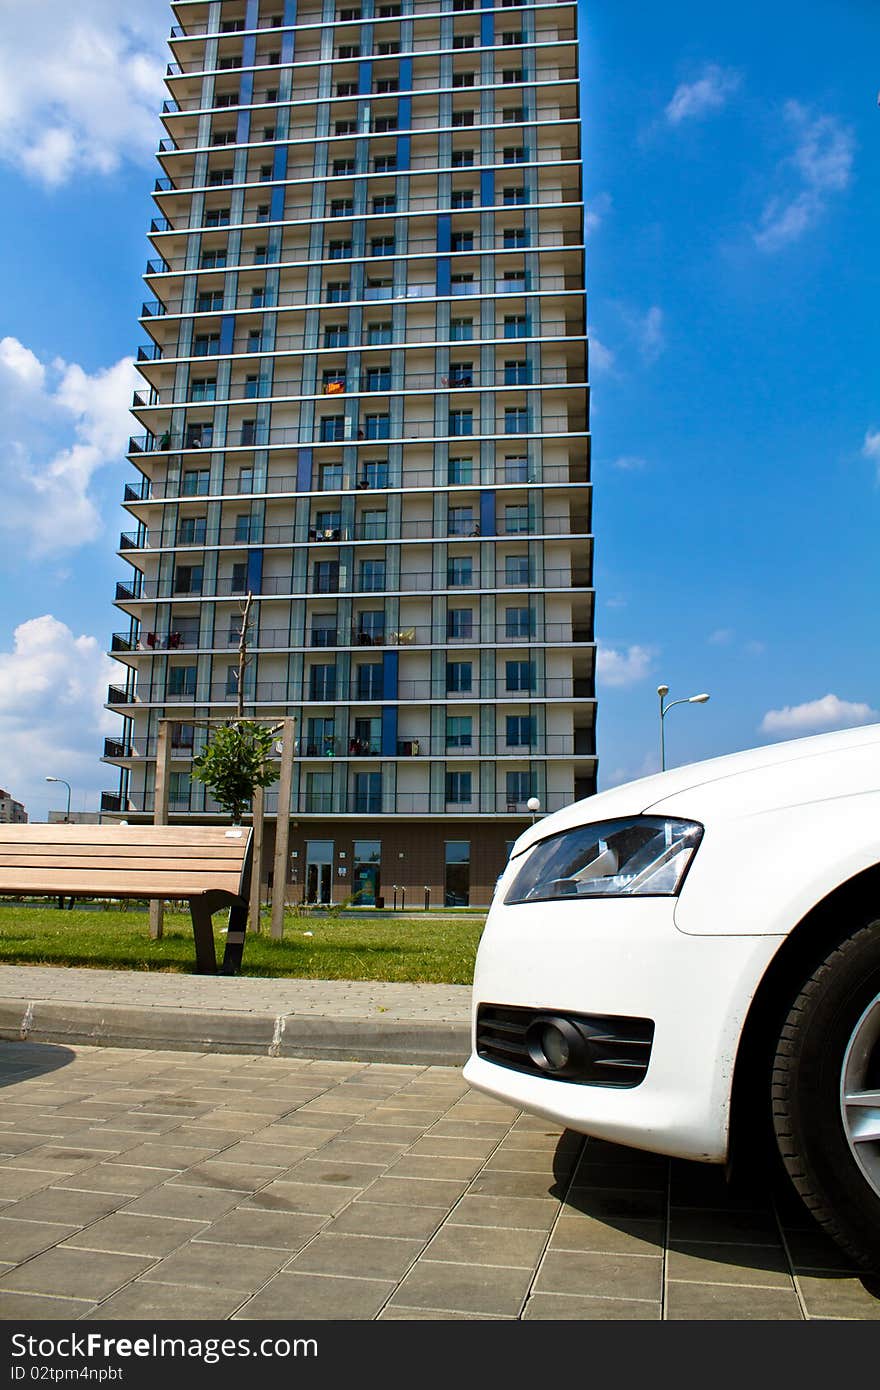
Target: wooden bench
[(210, 866)]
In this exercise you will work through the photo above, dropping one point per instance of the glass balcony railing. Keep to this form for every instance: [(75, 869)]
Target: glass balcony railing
[(139, 589)]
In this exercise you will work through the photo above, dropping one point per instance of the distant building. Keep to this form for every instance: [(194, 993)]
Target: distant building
[(11, 811), (75, 818)]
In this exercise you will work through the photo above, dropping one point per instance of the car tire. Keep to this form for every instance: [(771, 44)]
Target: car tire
[(829, 1050)]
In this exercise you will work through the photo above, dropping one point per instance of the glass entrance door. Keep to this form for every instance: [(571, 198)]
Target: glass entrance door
[(319, 872)]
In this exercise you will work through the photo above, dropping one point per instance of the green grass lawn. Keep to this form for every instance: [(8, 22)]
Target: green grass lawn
[(318, 946)]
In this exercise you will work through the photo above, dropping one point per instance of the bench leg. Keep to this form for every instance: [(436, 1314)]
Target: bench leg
[(203, 931), (235, 934)]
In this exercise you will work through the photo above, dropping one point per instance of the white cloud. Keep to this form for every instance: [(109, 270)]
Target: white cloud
[(708, 93), (649, 764), (596, 211), (623, 667), (819, 166), (814, 716), (649, 331), (601, 357), (629, 463), (721, 637), (80, 85), (871, 449), (52, 688), (60, 425)]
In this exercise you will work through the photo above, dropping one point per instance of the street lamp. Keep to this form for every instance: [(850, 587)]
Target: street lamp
[(64, 784), (663, 691), (533, 805)]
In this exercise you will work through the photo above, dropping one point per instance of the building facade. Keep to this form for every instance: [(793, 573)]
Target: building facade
[(11, 811), (365, 403)]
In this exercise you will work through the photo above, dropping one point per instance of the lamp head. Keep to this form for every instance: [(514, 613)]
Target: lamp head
[(51, 779), (698, 699), (533, 804), (662, 689)]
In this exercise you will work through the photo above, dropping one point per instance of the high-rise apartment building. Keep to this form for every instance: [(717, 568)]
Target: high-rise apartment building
[(365, 403)]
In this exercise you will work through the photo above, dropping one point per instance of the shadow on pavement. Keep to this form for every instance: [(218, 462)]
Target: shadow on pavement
[(19, 1060)]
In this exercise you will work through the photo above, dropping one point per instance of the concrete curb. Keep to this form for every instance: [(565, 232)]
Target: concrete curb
[(426, 1043)]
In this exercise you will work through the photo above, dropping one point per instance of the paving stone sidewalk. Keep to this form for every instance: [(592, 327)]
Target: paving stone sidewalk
[(175, 1184), (366, 1020)]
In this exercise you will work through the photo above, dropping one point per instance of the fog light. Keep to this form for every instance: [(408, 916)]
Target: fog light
[(556, 1046)]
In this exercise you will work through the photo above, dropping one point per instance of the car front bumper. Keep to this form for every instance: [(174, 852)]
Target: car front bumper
[(626, 957)]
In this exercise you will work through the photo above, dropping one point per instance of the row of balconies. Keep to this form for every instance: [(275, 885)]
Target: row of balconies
[(334, 478), (375, 428), (539, 45), (581, 744), (470, 579), (211, 217), (333, 381), (256, 533), (306, 803), (325, 691), (417, 635), (292, 255), (418, 10), (330, 336)]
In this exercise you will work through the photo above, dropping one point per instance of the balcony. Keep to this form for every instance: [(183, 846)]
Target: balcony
[(116, 695), (111, 801)]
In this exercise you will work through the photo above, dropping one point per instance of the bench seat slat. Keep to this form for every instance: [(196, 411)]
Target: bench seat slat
[(105, 864), (147, 854), (148, 883)]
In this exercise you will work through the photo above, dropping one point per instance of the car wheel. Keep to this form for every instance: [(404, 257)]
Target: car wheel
[(826, 1094)]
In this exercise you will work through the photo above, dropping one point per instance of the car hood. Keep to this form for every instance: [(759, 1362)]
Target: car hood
[(759, 779)]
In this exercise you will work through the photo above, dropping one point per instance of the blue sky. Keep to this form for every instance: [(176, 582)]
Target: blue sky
[(731, 173)]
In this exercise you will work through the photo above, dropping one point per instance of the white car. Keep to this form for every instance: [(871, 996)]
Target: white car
[(694, 958)]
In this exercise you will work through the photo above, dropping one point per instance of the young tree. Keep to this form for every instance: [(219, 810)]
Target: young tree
[(237, 761)]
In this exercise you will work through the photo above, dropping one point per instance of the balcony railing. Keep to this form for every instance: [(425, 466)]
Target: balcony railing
[(580, 744), (404, 803), (138, 589), (325, 692), (405, 480), (261, 436), (323, 638), (276, 535)]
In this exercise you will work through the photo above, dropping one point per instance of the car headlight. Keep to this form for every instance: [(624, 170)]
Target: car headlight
[(635, 856)]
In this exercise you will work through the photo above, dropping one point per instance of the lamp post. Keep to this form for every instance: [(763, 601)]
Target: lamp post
[(64, 784), (663, 691), (533, 805)]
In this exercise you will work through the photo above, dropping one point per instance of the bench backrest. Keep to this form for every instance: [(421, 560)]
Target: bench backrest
[(125, 861)]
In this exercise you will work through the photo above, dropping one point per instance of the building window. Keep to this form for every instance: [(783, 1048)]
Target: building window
[(372, 576), (463, 79), (518, 622), (203, 389), (346, 89), (188, 579), (461, 330), (338, 250), (460, 623), (458, 873), (461, 199), (319, 794), (181, 680), (460, 522), (464, 41), (463, 283), (520, 786), (385, 202), (325, 577), (516, 569), (516, 519), (378, 379), (191, 530), (384, 163), (338, 291), (462, 241), (460, 572), (332, 428), (323, 630), (371, 628), (378, 333), (520, 731), (331, 477), (515, 237), (378, 426), (512, 76), (367, 792), (196, 482), (384, 85), (517, 373), (459, 731), (462, 159), (462, 118), (343, 166), (458, 788), (322, 683), (206, 344), (375, 473), (335, 336), (461, 374), (382, 124), (209, 301), (387, 47), (516, 420), (519, 675), (382, 246), (369, 681), (345, 127), (513, 115), (512, 197), (341, 207), (459, 676), (348, 50), (461, 422), (373, 526), (460, 470)]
